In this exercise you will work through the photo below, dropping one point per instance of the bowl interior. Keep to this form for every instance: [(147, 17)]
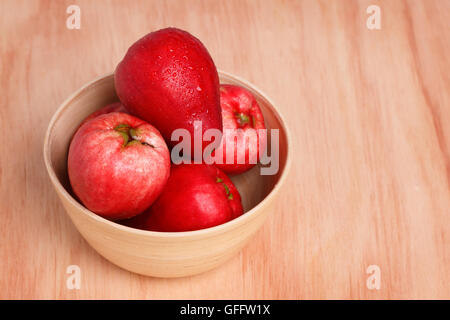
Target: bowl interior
[(252, 186)]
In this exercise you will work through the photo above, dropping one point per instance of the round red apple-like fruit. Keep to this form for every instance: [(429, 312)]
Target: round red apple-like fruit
[(112, 107), (196, 196), (242, 118), (169, 79), (118, 165)]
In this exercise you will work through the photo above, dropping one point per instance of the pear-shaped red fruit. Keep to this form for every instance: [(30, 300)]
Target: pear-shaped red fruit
[(169, 79)]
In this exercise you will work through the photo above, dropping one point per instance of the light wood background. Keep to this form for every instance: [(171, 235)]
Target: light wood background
[(369, 112)]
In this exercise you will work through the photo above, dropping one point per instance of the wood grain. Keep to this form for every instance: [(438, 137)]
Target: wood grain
[(369, 111)]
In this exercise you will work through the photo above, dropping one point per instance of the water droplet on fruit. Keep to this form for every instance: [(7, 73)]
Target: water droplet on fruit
[(199, 89)]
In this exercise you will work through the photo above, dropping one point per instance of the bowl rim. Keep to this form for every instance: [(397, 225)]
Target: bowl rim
[(222, 227)]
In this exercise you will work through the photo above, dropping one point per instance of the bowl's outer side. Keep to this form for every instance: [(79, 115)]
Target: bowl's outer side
[(153, 255)]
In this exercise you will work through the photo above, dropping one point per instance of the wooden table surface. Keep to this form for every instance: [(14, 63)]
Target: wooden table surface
[(369, 112)]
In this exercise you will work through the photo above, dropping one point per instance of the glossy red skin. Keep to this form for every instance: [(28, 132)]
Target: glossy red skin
[(169, 79), (191, 200), (112, 107), (235, 99), (113, 180)]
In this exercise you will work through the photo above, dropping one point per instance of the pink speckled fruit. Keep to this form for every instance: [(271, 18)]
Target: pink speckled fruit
[(118, 165)]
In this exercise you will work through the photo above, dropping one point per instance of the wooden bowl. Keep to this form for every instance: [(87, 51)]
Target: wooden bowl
[(162, 254)]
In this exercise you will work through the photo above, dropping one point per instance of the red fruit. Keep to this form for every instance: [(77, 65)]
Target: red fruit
[(118, 165), (240, 110), (113, 107), (196, 196), (169, 79)]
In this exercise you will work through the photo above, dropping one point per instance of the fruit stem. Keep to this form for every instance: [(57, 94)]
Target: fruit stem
[(133, 134), (227, 190), (242, 118), (123, 130), (130, 135), (123, 127)]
